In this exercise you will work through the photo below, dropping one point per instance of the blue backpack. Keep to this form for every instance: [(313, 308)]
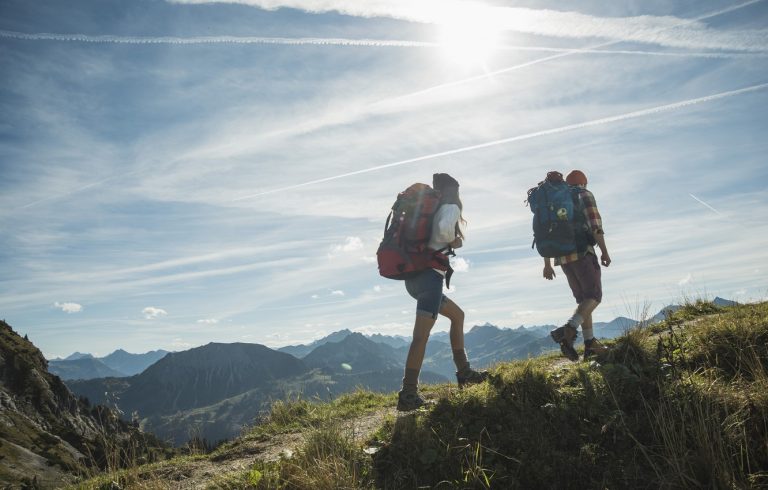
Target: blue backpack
[(559, 225)]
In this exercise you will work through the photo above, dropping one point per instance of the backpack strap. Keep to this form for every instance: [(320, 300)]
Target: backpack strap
[(441, 258), (583, 234)]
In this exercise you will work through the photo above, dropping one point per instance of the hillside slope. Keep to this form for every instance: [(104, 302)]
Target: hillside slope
[(47, 435), (681, 404)]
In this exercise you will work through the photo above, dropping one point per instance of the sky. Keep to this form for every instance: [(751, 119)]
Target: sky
[(174, 173)]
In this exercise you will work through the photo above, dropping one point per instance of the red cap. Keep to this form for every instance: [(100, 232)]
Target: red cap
[(576, 177)]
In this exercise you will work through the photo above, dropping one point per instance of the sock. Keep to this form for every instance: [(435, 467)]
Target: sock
[(588, 334), (576, 320), (411, 380), (460, 359)]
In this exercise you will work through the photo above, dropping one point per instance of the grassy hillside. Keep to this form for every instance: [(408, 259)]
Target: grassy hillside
[(682, 404)]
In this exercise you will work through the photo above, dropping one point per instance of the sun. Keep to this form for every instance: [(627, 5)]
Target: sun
[(469, 35)]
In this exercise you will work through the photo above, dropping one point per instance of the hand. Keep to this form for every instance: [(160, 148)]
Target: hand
[(549, 272), (457, 243), (605, 259)]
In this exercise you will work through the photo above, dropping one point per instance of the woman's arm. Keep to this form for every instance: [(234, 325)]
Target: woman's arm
[(444, 227)]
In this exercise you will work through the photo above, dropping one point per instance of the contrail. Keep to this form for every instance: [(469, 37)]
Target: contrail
[(74, 191), (673, 54), (563, 55), (705, 204), (320, 41), (561, 129)]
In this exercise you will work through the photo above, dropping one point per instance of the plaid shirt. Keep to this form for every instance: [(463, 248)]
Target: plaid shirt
[(594, 222)]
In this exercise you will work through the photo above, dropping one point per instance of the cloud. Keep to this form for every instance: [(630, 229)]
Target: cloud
[(351, 244), (150, 312), (686, 280), (521, 314), (661, 30), (180, 344), (460, 264), (377, 289), (69, 307), (536, 134), (209, 321), (337, 292)]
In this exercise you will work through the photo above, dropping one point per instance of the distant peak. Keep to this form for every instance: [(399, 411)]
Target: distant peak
[(355, 337), (485, 326), (724, 302), (78, 355)]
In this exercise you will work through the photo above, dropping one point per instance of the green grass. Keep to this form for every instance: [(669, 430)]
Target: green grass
[(300, 414), (329, 459), (145, 476), (689, 310), (687, 410)]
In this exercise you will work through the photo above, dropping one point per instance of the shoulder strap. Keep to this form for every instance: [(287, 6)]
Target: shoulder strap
[(386, 225)]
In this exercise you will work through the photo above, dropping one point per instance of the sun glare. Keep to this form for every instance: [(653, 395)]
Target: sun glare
[(469, 36)]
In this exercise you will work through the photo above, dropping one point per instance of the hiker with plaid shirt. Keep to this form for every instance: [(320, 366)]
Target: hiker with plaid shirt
[(583, 273)]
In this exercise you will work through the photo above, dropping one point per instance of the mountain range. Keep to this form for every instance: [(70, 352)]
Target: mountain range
[(117, 364), (215, 390)]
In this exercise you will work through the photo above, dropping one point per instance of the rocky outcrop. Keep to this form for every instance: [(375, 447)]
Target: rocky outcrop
[(48, 436)]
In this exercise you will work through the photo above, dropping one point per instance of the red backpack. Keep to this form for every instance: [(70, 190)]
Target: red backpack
[(403, 251)]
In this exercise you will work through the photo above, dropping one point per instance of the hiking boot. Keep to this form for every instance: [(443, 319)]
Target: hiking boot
[(470, 377), (593, 347), (409, 400), (565, 336)]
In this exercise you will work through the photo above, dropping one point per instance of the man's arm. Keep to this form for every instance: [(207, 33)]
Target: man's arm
[(595, 223), (605, 259), (549, 272)]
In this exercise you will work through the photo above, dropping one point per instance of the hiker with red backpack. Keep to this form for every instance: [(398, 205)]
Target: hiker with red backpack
[(567, 225), (424, 231)]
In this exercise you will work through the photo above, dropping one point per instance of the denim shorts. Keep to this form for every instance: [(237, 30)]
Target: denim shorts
[(427, 290)]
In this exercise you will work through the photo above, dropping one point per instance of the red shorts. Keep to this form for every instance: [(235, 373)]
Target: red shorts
[(584, 278)]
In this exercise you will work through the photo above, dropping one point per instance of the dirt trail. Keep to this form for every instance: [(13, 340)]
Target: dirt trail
[(206, 473)]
